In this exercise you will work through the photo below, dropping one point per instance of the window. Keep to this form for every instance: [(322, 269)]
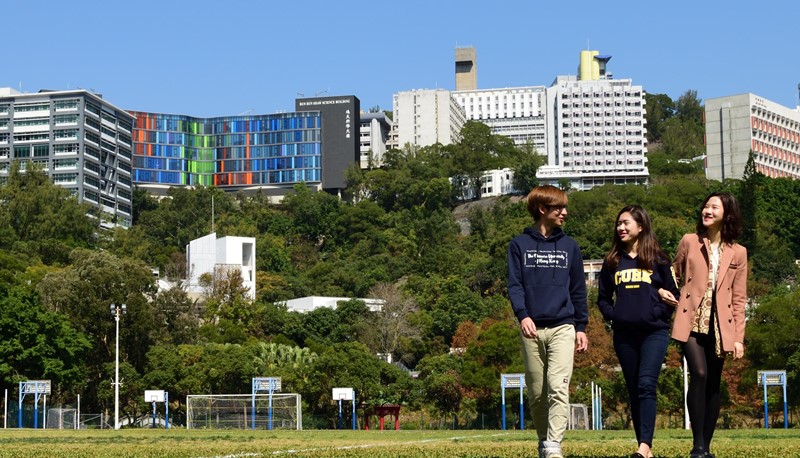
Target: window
[(91, 181), (65, 134), (65, 163), (59, 178), (65, 119), (22, 151), (70, 104), (24, 108), (41, 150), (66, 148)]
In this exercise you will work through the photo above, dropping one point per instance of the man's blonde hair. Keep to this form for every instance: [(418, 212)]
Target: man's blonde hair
[(545, 195)]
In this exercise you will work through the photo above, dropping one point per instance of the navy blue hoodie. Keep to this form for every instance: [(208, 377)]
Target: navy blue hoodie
[(545, 279), (637, 304)]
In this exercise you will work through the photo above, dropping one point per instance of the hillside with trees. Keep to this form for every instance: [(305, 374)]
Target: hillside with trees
[(395, 236)]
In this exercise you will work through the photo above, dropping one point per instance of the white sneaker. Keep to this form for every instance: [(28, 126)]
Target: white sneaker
[(550, 449)]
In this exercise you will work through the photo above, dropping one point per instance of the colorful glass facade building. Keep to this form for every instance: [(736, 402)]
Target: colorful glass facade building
[(257, 152)]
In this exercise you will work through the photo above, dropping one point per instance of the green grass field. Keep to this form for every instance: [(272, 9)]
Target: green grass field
[(412, 444)]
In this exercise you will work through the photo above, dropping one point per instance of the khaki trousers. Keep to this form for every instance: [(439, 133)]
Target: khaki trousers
[(548, 369)]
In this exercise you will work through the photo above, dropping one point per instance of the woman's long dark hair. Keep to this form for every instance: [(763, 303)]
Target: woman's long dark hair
[(648, 252), (731, 217)]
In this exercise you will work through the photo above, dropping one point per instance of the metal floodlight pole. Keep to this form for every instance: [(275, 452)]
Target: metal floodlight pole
[(116, 311)]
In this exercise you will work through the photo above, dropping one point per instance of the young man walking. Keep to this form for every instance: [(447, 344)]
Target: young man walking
[(547, 290)]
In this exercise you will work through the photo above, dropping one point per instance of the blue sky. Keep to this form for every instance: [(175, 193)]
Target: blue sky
[(205, 58)]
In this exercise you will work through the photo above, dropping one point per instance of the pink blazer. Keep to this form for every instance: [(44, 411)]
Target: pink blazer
[(691, 271)]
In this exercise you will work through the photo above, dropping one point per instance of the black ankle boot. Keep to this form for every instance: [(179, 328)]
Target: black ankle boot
[(697, 452)]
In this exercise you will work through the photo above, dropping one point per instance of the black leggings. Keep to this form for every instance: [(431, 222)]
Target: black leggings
[(703, 399)]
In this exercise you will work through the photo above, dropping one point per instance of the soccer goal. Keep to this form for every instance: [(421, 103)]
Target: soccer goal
[(234, 411), (62, 418)]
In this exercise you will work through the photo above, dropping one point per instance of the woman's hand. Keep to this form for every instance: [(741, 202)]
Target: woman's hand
[(738, 350), (667, 297)]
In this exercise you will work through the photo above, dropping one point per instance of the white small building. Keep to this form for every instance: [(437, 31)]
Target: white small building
[(494, 183), (209, 254), (309, 303)]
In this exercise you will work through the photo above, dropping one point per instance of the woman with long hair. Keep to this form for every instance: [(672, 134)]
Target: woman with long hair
[(635, 278), (710, 312)]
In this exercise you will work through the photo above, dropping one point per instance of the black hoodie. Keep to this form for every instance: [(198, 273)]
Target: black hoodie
[(546, 281), (628, 295)]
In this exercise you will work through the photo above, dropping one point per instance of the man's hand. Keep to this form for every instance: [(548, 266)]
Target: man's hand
[(528, 328), (582, 342)]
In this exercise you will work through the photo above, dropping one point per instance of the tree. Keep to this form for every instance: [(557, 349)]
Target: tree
[(83, 293), (142, 202), (486, 358), (37, 344), (179, 314), (689, 108), (391, 324), (448, 302), (660, 163), (525, 169), (41, 219), (682, 139), (350, 364), (748, 203), (182, 216), (226, 297), (478, 151), (441, 383), (314, 213), (772, 336), (681, 135), (659, 108)]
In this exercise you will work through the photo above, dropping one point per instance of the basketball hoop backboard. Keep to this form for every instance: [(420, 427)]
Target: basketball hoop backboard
[(342, 394), (269, 384), (153, 395)]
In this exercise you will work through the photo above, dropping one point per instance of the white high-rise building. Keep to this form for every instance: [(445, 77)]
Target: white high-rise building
[(737, 124), (596, 133), (79, 139), (590, 127), (425, 117), (515, 112)]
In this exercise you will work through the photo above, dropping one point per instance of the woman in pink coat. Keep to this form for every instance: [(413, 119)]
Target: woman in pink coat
[(709, 320)]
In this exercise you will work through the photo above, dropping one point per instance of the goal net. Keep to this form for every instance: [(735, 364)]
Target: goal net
[(60, 418), (578, 417), (235, 411)]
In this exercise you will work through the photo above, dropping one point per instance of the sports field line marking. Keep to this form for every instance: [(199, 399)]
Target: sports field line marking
[(351, 447)]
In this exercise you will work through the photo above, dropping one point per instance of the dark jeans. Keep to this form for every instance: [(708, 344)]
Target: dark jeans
[(641, 354)]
